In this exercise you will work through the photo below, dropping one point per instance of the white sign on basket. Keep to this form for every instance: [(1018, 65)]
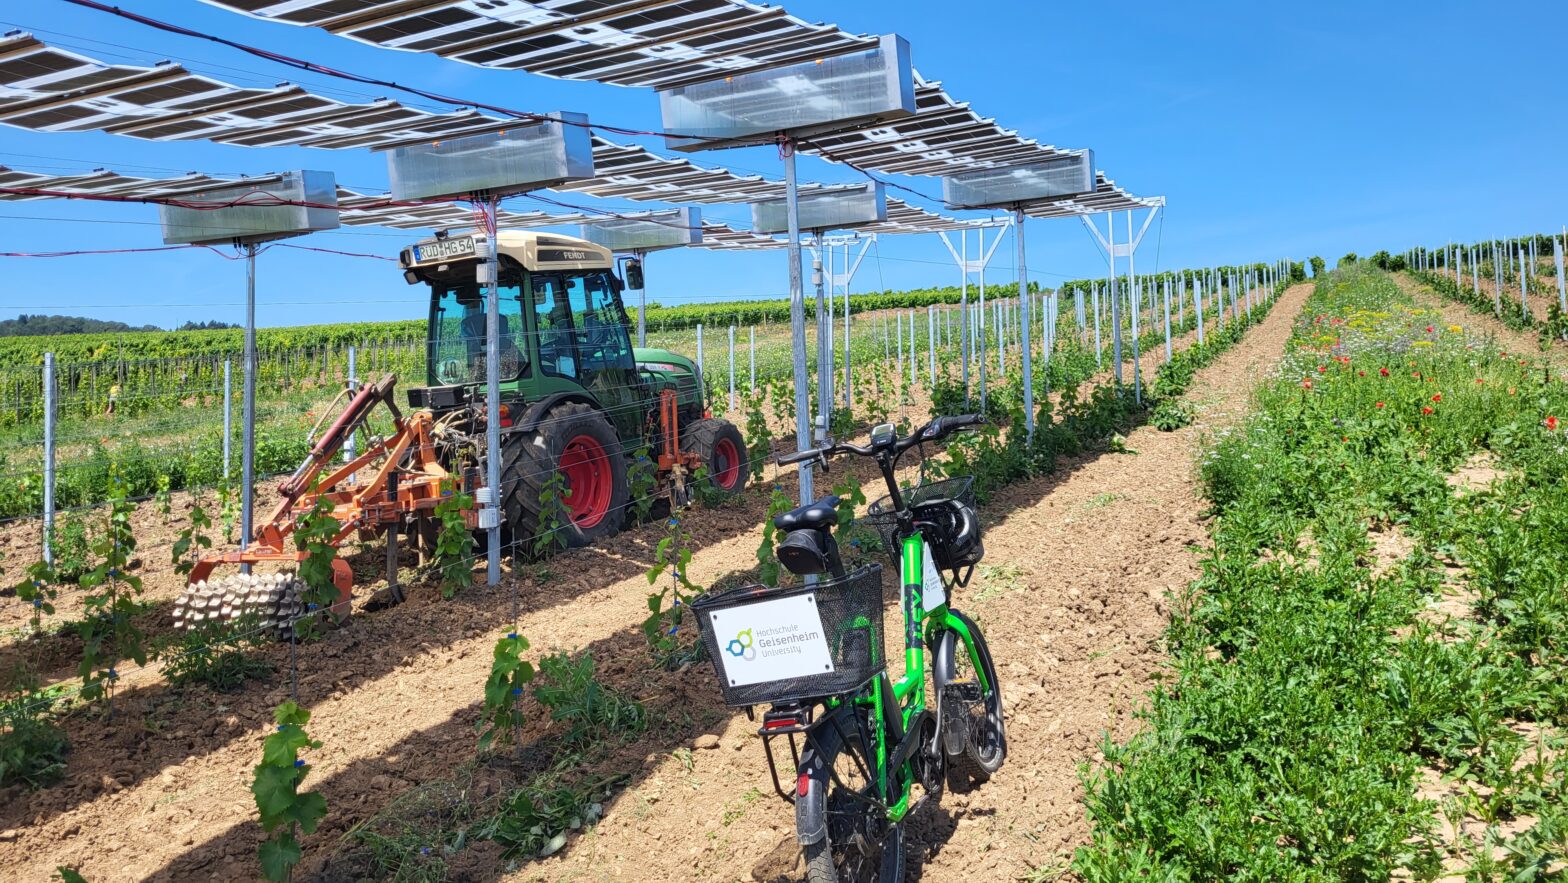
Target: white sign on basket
[(933, 592), (771, 640)]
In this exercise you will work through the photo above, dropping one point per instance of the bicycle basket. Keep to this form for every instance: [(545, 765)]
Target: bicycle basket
[(927, 496), (771, 644)]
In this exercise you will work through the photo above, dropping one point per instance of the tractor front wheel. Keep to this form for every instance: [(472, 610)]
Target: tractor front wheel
[(722, 452), (575, 441)]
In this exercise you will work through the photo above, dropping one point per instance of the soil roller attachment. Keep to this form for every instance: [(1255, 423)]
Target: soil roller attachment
[(398, 478)]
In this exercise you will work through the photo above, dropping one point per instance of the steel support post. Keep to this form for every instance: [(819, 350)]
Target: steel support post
[(1497, 281), (492, 280), (931, 341), (797, 318), (642, 299), (1557, 261), (965, 338), (248, 404), (1137, 304), (228, 415), (353, 386), (824, 346), (49, 465), (1023, 321)]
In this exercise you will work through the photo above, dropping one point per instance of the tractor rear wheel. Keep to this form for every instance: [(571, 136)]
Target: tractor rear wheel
[(721, 450), (576, 441)]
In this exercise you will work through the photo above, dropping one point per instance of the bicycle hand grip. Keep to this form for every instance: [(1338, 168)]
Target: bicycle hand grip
[(797, 457)]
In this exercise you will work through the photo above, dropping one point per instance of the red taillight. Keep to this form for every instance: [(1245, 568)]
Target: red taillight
[(802, 785), (780, 722)]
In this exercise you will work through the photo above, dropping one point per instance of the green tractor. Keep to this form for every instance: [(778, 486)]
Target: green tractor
[(577, 398)]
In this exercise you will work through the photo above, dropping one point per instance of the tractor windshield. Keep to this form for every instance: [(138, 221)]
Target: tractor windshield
[(457, 334)]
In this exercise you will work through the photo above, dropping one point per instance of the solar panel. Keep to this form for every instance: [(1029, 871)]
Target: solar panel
[(655, 43), (1107, 197)]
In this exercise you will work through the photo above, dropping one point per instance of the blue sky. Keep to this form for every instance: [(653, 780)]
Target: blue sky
[(1272, 129)]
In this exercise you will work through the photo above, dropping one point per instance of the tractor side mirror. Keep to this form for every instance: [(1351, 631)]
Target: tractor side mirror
[(634, 275)]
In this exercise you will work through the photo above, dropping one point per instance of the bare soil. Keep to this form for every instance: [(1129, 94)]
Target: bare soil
[(159, 790)]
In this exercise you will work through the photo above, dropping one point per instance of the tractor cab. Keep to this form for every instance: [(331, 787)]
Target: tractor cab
[(564, 331), (577, 399)]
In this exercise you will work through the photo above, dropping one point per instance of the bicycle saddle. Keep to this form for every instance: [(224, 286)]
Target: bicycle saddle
[(823, 513)]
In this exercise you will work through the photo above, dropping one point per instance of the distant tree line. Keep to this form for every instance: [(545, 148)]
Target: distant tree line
[(35, 325)]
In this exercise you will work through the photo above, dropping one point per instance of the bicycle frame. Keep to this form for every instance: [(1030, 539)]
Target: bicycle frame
[(920, 628)]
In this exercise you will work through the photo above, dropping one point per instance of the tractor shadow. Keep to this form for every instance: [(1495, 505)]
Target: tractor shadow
[(155, 725)]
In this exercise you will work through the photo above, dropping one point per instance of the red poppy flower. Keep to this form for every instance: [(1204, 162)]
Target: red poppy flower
[(1438, 397), (1383, 371), (1480, 380), (1306, 383), (1426, 409), (1429, 329), (1551, 423), (1380, 404), (1322, 368)]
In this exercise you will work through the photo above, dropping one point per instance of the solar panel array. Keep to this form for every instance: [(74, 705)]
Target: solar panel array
[(656, 43), (354, 208), (664, 43), (49, 89)]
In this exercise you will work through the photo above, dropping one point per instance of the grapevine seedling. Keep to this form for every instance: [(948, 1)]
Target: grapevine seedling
[(190, 542), (759, 437), (642, 480), (501, 719), (453, 543), (313, 534), (284, 810), (552, 515), (662, 626), (107, 630), (767, 564)]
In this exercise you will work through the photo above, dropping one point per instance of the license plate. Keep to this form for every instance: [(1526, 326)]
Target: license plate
[(444, 249)]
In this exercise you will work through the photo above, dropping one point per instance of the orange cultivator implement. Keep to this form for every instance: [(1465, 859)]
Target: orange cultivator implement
[(397, 480)]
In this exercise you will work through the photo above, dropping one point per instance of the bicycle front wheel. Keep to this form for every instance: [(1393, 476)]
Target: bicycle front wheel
[(975, 710), (841, 817)]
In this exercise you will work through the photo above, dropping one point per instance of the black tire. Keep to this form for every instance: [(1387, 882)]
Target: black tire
[(530, 458), (986, 748), (836, 857), (722, 450)]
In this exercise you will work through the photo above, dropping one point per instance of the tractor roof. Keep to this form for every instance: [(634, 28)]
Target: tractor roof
[(531, 248)]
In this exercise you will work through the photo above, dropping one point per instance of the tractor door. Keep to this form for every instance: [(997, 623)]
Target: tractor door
[(582, 338)]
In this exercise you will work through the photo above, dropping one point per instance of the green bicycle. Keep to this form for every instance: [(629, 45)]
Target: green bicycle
[(866, 749)]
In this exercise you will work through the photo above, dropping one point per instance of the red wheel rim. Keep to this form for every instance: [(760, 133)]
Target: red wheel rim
[(587, 471), (726, 464)]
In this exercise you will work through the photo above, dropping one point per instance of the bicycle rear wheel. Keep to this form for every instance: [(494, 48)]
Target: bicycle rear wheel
[(842, 813)]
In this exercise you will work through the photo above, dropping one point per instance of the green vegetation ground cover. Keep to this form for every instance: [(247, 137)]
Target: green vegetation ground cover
[(172, 438), (1309, 693)]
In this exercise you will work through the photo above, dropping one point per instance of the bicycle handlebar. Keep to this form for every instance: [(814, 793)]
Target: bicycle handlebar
[(936, 430)]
